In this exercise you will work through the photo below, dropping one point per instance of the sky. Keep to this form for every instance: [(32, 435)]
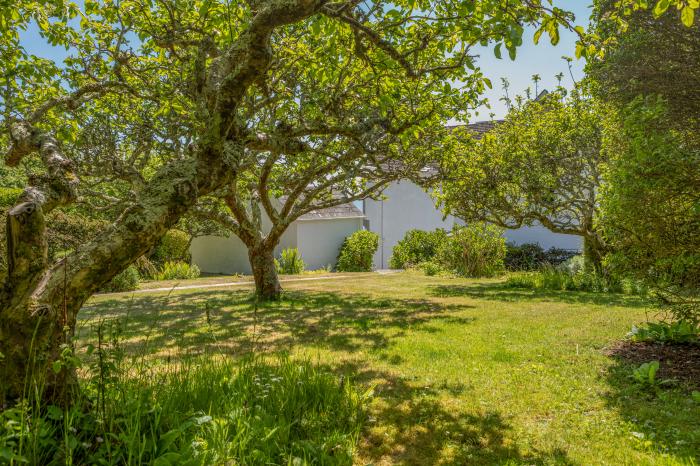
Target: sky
[(543, 59)]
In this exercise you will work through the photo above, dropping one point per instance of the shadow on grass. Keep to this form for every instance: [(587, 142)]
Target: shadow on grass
[(416, 428), (231, 321), (665, 419), (503, 292)]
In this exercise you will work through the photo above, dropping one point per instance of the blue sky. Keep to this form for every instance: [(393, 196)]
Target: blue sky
[(543, 59)]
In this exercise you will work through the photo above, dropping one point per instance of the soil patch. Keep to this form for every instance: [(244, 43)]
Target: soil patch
[(680, 362)]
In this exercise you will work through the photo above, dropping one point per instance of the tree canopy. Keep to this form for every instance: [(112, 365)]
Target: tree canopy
[(158, 104), (542, 164)]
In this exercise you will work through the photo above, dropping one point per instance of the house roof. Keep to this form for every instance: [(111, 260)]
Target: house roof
[(348, 210), (479, 128)]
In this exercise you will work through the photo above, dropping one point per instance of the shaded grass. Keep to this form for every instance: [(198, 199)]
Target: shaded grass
[(202, 411), (465, 372)]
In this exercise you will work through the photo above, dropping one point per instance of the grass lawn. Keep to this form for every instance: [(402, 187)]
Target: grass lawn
[(465, 371)]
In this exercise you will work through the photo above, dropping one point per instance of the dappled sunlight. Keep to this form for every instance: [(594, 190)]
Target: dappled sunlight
[(463, 371)]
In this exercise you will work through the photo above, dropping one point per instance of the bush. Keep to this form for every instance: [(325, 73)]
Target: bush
[(290, 262), (172, 247), (531, 256), (430, 268), (127, 280), (417, 246), (201, 411), (571, 277), (177, 271), (357, 252), (527, 256), (678, 332), (476, 250)]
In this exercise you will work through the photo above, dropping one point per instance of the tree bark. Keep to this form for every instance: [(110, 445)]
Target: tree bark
[(39, 303), (267, 284), (593, 253)]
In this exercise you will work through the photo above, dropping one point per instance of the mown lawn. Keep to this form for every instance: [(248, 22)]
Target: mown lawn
[(465, 371)]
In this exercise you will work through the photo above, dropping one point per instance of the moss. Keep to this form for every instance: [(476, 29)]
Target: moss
[(9, 196)]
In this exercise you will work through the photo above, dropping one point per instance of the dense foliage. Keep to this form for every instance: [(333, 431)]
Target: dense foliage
[(651, 198), (177, 271), (357, 252), (172, 247), (290, 262), (475, 250), (531, 256), (417, 246), (542, 165), (127, 280)]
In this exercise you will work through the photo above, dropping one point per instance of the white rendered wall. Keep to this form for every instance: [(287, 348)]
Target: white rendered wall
[(409, 207), (545, 238), (216, 254), (219, 255), (319, 241)]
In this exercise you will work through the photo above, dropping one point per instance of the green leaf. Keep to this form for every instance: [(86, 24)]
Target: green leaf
[(661, 7), (538, 34), (687, 16), (497, 51), (56, 366)]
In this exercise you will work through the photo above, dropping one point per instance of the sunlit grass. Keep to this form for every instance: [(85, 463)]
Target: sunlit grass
[(465, 372)]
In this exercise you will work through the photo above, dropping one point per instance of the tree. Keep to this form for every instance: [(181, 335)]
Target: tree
[(283, 184), (651, 204), (159, 104), (542, 164), (651, 201)]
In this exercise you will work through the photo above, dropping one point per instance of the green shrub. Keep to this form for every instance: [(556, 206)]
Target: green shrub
[(417, 246), (430, 268), (476, 250), (681, 332), (201, 411), (172, 247), (527, 256), (177, 271), (127, 280), (531, 256), (571, 277), (357, 252), (290, 262)]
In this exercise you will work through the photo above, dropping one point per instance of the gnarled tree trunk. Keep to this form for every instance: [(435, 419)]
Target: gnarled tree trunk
[(267, 284), (39, 303)]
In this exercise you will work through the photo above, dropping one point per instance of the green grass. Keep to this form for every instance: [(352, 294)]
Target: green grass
[(464, 371), (198, 412)]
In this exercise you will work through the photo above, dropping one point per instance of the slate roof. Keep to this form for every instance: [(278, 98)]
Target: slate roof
[(479, 128), (348, 210)]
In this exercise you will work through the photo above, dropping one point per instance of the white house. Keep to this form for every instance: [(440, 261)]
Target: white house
[(317, 235), (407, 206)]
